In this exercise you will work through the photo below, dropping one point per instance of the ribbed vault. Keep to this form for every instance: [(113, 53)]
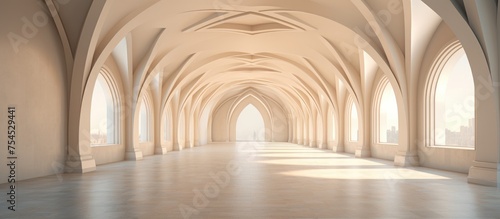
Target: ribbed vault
[(298, 62), (199, 55)]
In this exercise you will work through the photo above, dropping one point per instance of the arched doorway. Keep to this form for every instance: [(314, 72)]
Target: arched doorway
[(250, 125)]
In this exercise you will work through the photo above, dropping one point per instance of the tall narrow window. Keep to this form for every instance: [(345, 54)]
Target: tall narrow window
[(250, 125), (103, 122), (144, 121), (166, 130), (388, 115), (454, 115), (334, 128), (353, 123)]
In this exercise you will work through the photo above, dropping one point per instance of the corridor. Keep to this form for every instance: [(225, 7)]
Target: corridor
[(254, 180)]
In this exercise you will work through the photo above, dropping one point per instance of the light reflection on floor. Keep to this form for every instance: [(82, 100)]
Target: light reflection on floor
[(356, 173), (277, 180), (304, 154), (315, 161), (334, 165)]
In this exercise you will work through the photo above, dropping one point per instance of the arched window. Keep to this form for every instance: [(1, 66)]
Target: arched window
[(452, 108), (353, 121), (334, 128), (166, 130), (250, 125), (144, 121), (104, 112), (388, 127)]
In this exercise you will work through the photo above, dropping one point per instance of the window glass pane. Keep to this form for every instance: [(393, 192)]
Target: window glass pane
[(334, 126), (250, 125), (388, 118), (454, 104), (354, 123), (165, 128), (102, 114), (143, 123)]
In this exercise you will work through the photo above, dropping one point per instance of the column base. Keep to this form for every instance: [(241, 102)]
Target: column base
[(406, 160), (483, 173), (134, 155), (80, 164), (312, 144), (362, 153), (338, 149), (322, 146), (177, 147), (197, 143), (161, 150)]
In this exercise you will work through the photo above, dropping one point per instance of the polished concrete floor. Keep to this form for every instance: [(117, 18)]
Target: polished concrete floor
[(254, 180)]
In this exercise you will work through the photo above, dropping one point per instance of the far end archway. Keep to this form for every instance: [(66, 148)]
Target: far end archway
[(250, 125)]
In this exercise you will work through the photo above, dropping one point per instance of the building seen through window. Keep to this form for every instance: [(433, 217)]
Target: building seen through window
[(454, 104)]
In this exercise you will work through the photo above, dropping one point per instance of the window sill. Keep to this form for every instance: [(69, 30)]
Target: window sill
[(387, 144), (103, 145), (452, 147)]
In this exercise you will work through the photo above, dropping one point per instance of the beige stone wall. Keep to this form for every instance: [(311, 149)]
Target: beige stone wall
[(200, 71), (33, 79)]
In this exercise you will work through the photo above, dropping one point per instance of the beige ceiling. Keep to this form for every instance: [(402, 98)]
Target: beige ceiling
[(293, 52)]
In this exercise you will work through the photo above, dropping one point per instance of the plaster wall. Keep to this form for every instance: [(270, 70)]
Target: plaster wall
[(37, 90)]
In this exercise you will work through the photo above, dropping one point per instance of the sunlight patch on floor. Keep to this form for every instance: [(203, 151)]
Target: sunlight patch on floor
[(322, 162), (357, 173), (287, 151), (304, 154)]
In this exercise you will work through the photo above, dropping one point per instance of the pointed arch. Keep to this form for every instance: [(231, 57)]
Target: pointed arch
[(167, 127), (145, 118), (250, 128), (333, 129), (383, 131), (354, 120), (250, 97), (451, 70), (353, 127), (107, 85)]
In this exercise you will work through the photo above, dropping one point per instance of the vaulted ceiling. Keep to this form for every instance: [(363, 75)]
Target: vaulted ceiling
[(299, 54)]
